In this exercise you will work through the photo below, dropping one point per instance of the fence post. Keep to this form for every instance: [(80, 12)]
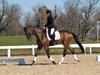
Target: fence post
[(9, 53), (90, 50)]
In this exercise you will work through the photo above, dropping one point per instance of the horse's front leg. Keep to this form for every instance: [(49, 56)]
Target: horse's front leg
[(36, 52), (48, 55)]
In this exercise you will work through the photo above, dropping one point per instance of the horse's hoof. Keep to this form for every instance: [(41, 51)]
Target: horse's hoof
[(54, 62), (60, 63), (78, 60), (33, 62)]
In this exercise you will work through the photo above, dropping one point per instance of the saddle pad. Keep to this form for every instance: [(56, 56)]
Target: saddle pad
[(57, 35)]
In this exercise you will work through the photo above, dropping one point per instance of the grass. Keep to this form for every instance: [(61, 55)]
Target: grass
[(15, 40), (90, 41)]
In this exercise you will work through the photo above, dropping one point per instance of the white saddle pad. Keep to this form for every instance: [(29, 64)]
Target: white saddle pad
[(57, 35)]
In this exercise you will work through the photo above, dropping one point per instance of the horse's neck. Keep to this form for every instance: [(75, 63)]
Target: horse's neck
[(38, 33)]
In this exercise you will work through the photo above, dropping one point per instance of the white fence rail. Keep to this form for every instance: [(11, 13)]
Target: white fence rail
[(18, 47), (90, 46)]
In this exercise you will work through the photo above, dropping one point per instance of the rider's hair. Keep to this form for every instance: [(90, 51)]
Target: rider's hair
[(48, 11)]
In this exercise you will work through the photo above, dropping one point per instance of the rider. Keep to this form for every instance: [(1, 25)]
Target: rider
[(50, 25)]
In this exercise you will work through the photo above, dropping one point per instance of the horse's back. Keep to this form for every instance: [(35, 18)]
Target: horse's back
[(66, 35)]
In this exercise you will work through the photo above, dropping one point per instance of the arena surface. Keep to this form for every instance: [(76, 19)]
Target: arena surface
[(87, 66)]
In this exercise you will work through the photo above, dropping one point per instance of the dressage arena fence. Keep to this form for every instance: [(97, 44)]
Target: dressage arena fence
[(90, 46)]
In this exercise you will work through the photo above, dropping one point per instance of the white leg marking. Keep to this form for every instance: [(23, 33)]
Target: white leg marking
[(62, 59), (75, 57), (51, 59), (35, 58)]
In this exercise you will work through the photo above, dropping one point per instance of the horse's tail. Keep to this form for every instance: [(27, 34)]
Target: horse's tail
[(78, 42)]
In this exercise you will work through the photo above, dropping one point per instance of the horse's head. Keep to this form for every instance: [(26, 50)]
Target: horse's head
[(28, 32)]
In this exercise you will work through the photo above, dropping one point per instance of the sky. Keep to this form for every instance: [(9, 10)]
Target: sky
[(27, 5)]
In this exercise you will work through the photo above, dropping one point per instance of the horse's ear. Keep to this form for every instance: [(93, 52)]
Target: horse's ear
[(25, 29)]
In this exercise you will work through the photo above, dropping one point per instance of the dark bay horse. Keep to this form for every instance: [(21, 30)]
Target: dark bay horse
[(42, 41)]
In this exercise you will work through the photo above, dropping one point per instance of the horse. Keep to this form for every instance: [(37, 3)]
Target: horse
[(42, 41)]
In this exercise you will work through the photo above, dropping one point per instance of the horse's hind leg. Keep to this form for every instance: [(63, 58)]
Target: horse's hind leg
[(48, 55), (64, 54), (73, 52)]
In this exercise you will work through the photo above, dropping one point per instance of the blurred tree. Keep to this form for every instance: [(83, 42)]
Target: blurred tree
[(88, 10), (37, 18), (3, 14), (28, 19), (79, 16), (42, 15), (13, 20)]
